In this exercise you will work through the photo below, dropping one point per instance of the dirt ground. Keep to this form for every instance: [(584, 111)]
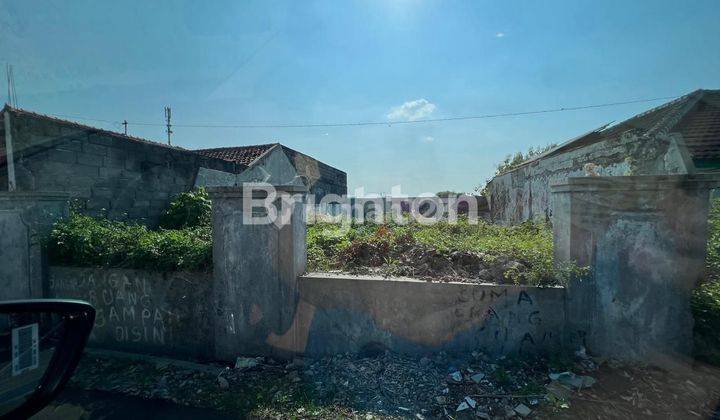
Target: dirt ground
[(393, 386), (680, 391)]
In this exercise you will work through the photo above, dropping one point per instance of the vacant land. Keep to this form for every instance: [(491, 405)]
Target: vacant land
[(462, 251)]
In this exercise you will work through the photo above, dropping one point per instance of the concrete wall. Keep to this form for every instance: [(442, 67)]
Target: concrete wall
[(25, 220), (337, 313), (644, 239), (122, 177), (525, 193), (147, 312), (256, 268)]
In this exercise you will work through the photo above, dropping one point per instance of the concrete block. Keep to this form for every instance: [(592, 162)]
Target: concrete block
[(95, 203), (102, 192), (94, 148), (111, 173), (89, 159), (133, 163), (64, 156), (113, 160), (70, 144)]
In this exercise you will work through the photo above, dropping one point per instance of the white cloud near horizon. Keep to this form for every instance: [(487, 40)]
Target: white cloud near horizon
[(499, 34), (412, 110), (428, 139)]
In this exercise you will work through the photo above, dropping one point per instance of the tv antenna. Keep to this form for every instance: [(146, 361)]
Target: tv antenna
[(168, 114), (124, 123), (11, 92)]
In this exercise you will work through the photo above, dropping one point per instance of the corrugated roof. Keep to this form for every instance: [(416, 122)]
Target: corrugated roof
[(244, 155)]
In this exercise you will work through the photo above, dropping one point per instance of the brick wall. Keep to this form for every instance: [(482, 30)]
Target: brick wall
[(111, 174)]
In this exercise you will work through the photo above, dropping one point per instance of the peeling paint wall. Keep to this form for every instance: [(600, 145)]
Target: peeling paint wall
[(338, 314), (524, 194)]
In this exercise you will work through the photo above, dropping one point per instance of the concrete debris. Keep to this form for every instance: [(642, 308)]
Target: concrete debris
[(572, 380), (522, 410), (581, 353), (388, 385), (246, 362), (463, 406), (477, 377), (483, 415)]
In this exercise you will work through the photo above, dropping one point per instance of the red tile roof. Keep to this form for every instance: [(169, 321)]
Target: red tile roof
[(696, 116), (700, 127), (244, 155)]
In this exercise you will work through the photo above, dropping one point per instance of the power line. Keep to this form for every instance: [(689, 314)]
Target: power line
[(388, 123)]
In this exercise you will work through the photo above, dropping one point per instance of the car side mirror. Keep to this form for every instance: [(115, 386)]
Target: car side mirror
[(41, 342)]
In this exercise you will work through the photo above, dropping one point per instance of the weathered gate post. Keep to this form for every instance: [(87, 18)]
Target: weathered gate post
[(644, 239), (25, 218), (255, 270)]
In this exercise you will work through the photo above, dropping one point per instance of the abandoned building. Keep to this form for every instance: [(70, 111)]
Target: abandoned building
[(126, 177), (679, 137)]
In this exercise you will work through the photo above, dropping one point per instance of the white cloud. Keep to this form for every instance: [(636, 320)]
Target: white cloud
[(412, 110), (427, 139), (499, 34)]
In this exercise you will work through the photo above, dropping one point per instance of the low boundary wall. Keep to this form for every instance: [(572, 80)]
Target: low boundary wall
[(174, 314), (338, 313), (142, 311)]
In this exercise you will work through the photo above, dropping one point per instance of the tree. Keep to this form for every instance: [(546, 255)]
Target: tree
[(446, 194), (512, 162)]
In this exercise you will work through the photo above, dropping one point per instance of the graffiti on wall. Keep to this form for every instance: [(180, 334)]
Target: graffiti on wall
[(504, 317), (125, 309)]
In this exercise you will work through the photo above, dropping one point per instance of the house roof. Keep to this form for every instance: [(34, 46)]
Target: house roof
[(244, 155), (695, 116)]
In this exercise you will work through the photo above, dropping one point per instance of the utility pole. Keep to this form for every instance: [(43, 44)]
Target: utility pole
[(168, 112), (125, 125), (11, 92)]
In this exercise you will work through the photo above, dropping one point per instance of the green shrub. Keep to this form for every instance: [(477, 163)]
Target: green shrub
[(706, 298), (86, 241), (188, 209), (348, 247)]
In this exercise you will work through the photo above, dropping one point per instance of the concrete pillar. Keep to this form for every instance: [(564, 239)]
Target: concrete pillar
[(26, 219), (255, 272), (644, 239)]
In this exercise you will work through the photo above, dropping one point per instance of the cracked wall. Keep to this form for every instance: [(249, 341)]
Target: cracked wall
[(524, 194)]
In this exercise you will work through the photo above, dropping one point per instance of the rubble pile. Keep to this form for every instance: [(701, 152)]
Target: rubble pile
[(379, 385), (433, 387)]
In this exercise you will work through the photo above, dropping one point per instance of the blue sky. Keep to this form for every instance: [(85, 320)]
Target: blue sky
[(343, 61)]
